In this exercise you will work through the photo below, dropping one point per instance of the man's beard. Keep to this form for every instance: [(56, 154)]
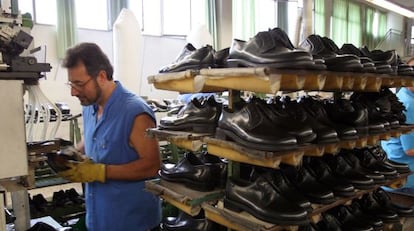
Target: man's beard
[(85, 101)]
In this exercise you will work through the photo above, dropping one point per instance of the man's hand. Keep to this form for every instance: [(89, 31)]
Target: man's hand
[(85, 171), (74, 153)]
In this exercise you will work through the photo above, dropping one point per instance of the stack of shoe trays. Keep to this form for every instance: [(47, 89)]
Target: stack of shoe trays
[(285, 195)]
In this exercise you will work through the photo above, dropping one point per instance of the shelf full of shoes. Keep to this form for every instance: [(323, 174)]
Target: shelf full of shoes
[(309, 162)]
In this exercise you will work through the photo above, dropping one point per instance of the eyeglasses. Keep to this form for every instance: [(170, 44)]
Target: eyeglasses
[(78, 86)]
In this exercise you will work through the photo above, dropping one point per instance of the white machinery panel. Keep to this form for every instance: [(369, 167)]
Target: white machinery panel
[(13, 150)]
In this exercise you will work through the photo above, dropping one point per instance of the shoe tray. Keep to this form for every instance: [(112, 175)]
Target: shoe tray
[(267, 80), (239, 221), (183, 82), (233, 151), (187, 140), (182, 197)]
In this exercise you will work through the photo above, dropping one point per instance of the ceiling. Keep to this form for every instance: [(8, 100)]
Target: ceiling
[(407, 4)]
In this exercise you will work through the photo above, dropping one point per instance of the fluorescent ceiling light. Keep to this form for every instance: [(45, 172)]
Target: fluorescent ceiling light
[(392, 7)]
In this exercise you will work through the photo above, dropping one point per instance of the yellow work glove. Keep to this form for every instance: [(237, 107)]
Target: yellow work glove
[(85, 171)]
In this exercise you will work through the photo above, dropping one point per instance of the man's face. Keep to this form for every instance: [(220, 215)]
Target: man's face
[(83, 86)]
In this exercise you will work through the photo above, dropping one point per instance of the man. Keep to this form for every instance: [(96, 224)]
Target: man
[(401, 149), (119, 154)]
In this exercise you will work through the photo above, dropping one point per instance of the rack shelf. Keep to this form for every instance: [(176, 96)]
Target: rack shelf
[(268, 80), (185, 199), (187, 140), (239, 221), (236, 152)]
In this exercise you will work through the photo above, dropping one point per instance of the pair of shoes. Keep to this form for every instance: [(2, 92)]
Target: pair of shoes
[(271, 48), (60, 199), (349, 220), (191, 58), (261, 200), (195, 173), (378, 153), (74, 196), (251, 126), (354, 161), (345, 172), (197, 116), (282, 185), (306, 183), (314, 119), (382, 109), (342, 111), (324, 48), (323, 174), (38, 203), (369, 161), (369, 205), (316, 109), (368, 64), (384, 199), (386, 62)]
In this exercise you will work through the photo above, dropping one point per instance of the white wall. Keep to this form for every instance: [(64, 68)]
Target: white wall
[(395, 21), (158, 51), (395, 39)]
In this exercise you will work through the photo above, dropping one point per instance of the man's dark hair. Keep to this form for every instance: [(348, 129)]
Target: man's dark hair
[(91, 56)]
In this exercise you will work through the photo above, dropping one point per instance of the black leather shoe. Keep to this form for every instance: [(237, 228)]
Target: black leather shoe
[(60, 199), (260, 200), (322, 172), (368, 161), (380, 154), (316, 109), (379, 106), (308, 185), (367, 63), (220, 57), (343, 170), (326, 49), (190, 171), (384, 200), (191, 58), (281, 184), (39, 202), (292, 123), (218, 167), (370, 206), (355, 209), (329, 222), (74, 196), (251, 128), (385, 61), (196, 116), (342, 111), (348, 220), (350, 157), (185, 222), (272, 49), (324, 132)]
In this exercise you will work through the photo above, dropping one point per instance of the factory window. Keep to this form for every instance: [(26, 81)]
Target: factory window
[(166, 17), (97, 20), (26, 6), (45, 12)]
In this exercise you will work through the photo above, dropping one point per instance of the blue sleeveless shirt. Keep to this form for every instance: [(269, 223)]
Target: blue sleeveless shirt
[(116, 204)]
